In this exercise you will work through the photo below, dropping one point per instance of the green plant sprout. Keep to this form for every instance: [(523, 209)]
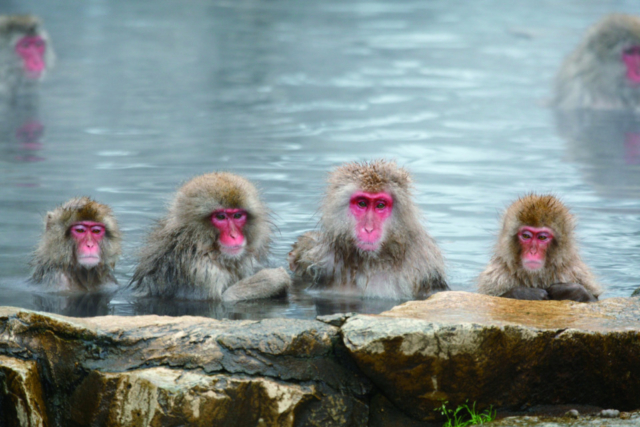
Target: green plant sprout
[(464, 416)]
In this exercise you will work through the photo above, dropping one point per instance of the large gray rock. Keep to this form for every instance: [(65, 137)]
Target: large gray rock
[(163, 371), (458, 346), (455, 346)]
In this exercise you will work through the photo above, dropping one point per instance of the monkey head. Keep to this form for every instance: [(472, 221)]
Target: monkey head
[(30, 44), (224, 209), (366, 203), (615, 41), (538, 232), (82, 232)]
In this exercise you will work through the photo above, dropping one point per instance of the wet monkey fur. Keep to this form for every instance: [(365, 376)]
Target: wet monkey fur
[(211, 245), (536, 256), (603, 72), (371, 242), (79, 247)]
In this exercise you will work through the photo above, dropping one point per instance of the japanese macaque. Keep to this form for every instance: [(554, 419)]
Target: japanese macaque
[(79, 247), (604, 70), (536, 257), (211, 245), (25, 51), (371, 242)]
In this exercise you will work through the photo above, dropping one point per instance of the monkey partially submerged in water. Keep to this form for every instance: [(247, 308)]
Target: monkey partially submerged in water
[(371, 242), (536, 256), (603, 72), (211, 245), (79, 248)]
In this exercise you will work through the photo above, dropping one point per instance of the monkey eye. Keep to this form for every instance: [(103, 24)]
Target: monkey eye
[(221, 216), (362, 204), (526, 235), (238, 215), (381, 205), (97, 230), (80, 229), (543, 237)]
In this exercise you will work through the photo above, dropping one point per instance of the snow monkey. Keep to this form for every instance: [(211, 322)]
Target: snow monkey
[(371, 242), (536, 256), (25, 51), (79, 247), (211, 244), (604, 70)]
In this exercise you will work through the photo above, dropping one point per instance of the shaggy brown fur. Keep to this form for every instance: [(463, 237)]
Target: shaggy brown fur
[(12, 29), (594, 75), (55, 263), (563, 263), (182, 257), (408, 263)]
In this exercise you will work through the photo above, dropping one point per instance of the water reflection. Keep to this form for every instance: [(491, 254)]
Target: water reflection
[(21, 131), (606, 145), (78, 305)]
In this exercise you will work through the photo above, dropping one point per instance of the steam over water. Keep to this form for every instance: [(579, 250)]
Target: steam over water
[(146, 95)]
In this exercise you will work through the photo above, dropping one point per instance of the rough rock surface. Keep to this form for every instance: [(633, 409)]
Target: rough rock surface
[(386, 370), (165, 371), (458, 346)]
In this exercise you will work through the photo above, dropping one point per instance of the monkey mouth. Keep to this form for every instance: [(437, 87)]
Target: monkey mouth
[(89, 261), (233, 251), (532, 265), (367, 246)]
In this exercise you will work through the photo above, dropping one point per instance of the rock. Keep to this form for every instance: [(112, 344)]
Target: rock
[(572, 413), (458, 346), (609, 413), (152, 370), (21, 397)]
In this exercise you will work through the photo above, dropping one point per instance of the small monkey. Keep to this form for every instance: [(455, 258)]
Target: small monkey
[(79, 247), (603, 72), (211, 244), (371, 242), (536, 256), (25, 51)]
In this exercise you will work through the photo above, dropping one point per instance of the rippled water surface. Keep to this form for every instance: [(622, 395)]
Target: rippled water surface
[(146, 94)]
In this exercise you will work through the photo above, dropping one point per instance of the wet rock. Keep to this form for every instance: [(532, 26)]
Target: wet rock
[(573, 413), (459, 346), (21, 397), (609, 413), (152, 370)]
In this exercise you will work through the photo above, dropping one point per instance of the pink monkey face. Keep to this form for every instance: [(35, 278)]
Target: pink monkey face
[(371, 211), (31, 49), (631, 59), (534, 242), (87, 235), (230, 223)]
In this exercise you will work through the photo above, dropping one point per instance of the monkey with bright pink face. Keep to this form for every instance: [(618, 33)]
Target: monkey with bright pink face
[(536, 257), (25, 50), (371, 243), (604, 70), (211, 245), (79, 247)]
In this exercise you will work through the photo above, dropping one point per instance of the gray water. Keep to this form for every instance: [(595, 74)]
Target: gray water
[(146, 94)]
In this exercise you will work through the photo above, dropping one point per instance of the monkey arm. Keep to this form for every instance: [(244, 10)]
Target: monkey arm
[(526, 293), (571, 292), (267, 283), (301, 259)]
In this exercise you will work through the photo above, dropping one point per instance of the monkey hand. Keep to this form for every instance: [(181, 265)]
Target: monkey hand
[(525, 293), (267, 283), (571, 292)]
